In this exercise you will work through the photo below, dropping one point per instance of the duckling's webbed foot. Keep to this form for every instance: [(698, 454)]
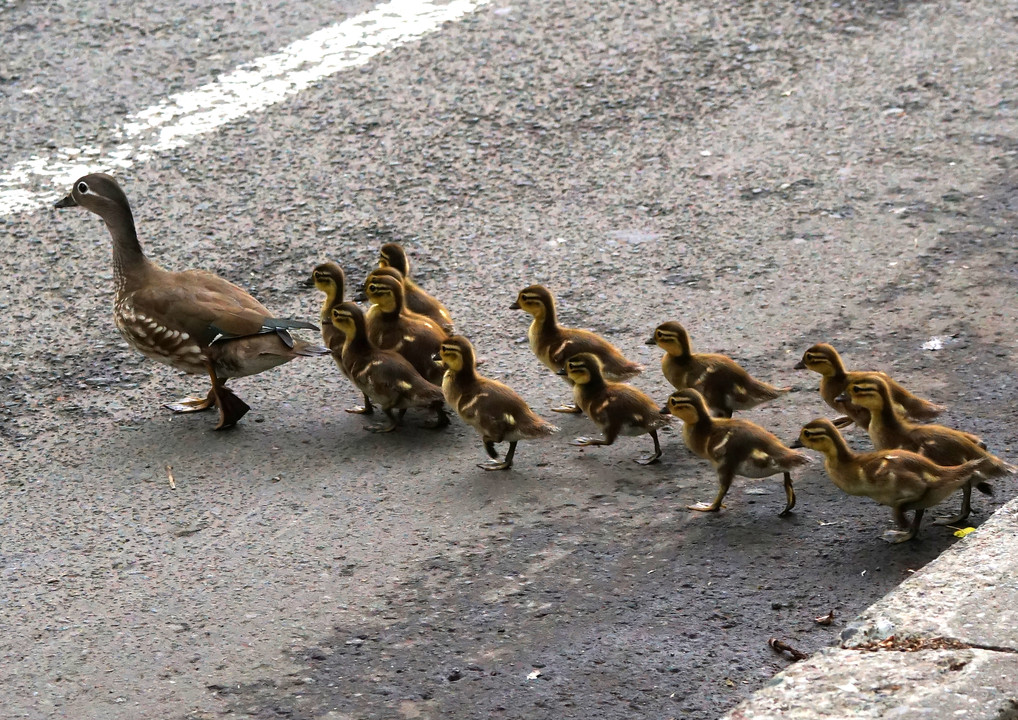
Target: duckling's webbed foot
[(655, 456), (964, 512), (789, 496), (897, 536), (724, 482), (588, 441), (385, 427), (441, 420), (570, 408), (366, 409)]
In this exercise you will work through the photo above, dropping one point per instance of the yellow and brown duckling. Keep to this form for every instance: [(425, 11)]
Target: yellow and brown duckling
[(391, 326), (825, 360), (554, 344), (384, 376), (494, 410), (616, 408), (331, 280), (903, 480), (724, 384), (943, 445), (734, 447), (392, 255), (193, 321)]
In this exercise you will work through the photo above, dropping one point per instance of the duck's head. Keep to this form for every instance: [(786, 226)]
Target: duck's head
[(820, 435), (583, 368), (820, 358), (329, 278), (672, 338), (456, 353), (687, 405), (536, 300), (392, 255), (384, 291), (349, 319), (99, 193), (869, 391)]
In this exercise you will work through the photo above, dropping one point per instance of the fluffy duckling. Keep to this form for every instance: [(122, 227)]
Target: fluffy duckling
[(824, 359), (724, 384), (491, 408), (616, 408), (901, 479), (330, 279), (943, 445), (193, 320), (391, 326), (392, 255), (734, 447), (384, 376), (554, 344)]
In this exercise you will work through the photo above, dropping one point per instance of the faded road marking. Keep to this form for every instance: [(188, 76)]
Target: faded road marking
[(34, 183)]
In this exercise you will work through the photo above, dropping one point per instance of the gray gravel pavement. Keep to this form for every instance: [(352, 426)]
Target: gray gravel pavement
[(770, 174)]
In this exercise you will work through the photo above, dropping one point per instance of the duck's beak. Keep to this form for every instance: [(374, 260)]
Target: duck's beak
[(652, 341), (562, 372), (665, 410), (843, 398), (66, 202), (515, 306), (801, 365)]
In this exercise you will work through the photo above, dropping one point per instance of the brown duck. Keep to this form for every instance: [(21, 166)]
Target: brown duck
[(192, 320), (391, 326), (384, 376), (733, 447), (903, 480), (941, 444), (834, 378), (554, 344), (331, 280), (724, 384), (392, 255), (616, 408), (494, 410)]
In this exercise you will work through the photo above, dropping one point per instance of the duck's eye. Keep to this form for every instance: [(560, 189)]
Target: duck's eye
[(82, 188)]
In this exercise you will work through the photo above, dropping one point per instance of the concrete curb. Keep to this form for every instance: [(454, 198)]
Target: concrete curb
[(958, 617)]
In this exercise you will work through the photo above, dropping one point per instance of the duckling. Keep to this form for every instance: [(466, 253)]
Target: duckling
[(616, 408), (330, 279), (824, 359), (384, 376), (734, 447), (491, 408), (392, 255), (554, 344), (391, 326), (943, 445), (901, 479), (724, 384), (193, 320)]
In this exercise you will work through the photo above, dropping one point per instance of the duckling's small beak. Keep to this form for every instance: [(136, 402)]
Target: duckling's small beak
[(665, 410), (360, 296), (801, 365), (652, 341), (515, 306), (561, 371), (308, 282), (66, 202), (437, 357), (843, 398)]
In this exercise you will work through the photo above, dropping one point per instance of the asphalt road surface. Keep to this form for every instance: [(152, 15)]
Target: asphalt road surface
[(770, 174)]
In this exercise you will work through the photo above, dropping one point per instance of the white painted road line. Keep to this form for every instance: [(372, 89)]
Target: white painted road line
[(34, 183)]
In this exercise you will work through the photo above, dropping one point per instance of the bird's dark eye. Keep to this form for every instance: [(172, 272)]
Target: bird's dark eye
[(82, 188)]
